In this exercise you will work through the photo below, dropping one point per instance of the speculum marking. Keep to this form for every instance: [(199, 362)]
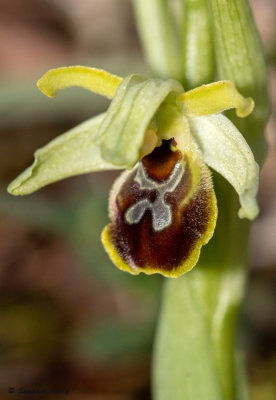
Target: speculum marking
[(161, 211)]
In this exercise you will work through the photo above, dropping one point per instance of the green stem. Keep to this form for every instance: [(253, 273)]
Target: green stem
[(195, 355), (183, 361), (195, 344)]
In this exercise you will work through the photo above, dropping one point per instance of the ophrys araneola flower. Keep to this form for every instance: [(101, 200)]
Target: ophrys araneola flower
[(163, 208)]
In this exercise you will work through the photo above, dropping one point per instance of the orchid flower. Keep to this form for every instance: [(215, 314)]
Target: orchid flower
[(163, 207)]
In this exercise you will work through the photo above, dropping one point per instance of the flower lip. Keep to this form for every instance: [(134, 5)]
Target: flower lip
[(144, 244)]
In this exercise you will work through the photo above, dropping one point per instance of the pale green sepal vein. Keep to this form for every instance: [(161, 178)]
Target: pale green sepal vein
[(121, 133), (225, 150), (75, 152), (96, 80)]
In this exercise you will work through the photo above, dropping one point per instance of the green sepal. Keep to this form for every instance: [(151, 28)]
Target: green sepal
[(122, 131), (226, 151), (75, 152)]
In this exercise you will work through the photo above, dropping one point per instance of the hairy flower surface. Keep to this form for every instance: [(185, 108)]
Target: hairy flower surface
[(163, 208)]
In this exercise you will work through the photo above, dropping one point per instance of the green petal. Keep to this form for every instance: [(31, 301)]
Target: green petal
[(225, 150), (214, 98), (72, 153), (96, 80), (137, 99)]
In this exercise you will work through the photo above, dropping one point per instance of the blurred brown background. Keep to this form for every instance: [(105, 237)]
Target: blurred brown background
[(69, 320)]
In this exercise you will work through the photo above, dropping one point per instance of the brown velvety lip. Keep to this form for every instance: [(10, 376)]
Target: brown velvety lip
[(139, 244)]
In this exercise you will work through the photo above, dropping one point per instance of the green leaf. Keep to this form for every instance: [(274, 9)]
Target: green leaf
[(75, 152), (121, 134), (225, 150)]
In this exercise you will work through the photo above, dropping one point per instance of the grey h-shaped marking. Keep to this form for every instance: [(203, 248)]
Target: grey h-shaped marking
[(161, 212)]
